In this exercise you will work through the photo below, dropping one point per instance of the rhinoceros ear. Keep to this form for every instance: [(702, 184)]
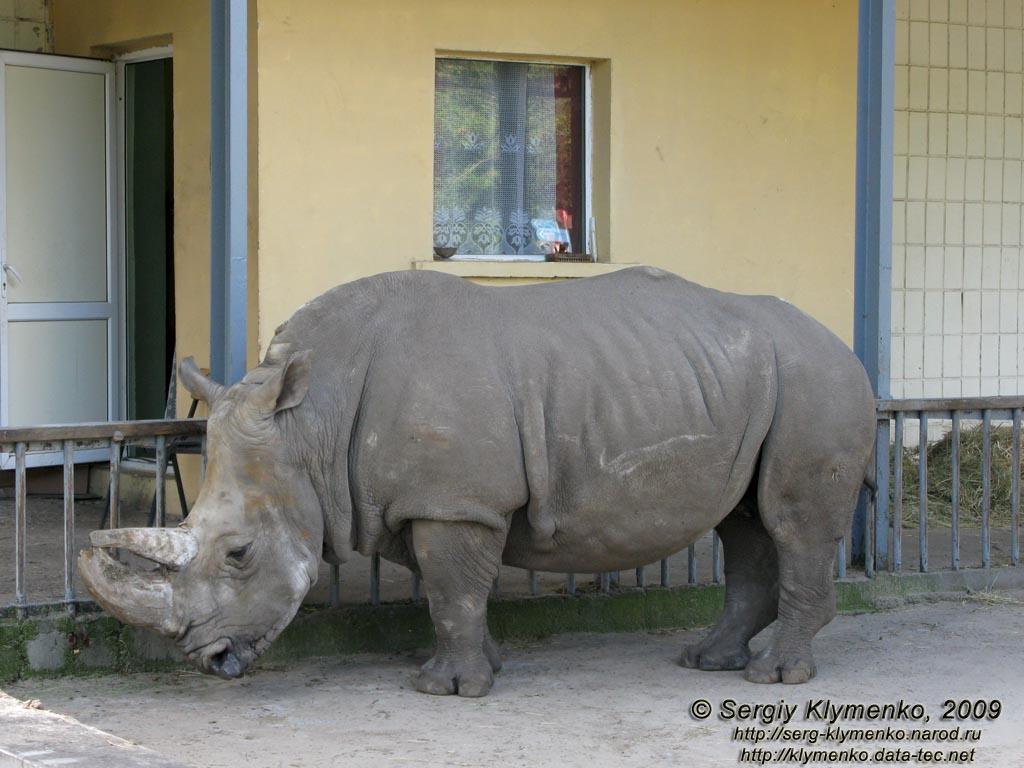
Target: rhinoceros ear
[(199, 386), (287, 387)]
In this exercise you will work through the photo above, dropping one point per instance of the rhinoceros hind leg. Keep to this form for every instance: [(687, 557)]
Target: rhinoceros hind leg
[(807, 603), (751, 592), (458, 562), (813, 464)]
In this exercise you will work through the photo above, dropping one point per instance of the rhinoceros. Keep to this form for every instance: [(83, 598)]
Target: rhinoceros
[(581, 426)]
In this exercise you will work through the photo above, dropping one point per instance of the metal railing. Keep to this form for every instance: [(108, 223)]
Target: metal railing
[(164, 436), (884, 533), (883, 528)]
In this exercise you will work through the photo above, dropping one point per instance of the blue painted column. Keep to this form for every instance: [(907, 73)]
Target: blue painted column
[(229, 241), (873, 271)]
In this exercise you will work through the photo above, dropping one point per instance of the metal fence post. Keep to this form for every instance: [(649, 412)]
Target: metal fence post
[(922, 490), (20, 520), (1015, 492), (897, 492), (881, 544), (69, 524)]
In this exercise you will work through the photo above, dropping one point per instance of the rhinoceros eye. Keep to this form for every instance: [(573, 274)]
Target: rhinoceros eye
[(237, 555)]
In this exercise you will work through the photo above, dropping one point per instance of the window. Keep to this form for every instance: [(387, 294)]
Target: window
[(509, 168)]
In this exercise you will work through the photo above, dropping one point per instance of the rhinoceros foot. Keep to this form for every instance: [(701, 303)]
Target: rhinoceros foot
[(770, 666), (715, 657), (443, 677)]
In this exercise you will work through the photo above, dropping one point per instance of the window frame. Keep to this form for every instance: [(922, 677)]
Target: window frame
[(587, 229)]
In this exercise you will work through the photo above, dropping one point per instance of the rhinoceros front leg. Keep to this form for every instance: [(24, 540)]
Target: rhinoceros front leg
[(458, 563)]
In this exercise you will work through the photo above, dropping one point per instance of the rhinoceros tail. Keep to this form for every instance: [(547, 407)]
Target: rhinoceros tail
[(869, 476), (870, 484)]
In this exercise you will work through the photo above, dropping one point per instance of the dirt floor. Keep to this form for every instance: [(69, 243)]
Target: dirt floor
[(574, 700)]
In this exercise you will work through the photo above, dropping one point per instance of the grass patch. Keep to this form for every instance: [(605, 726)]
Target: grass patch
[(940, 479), (14, 638)]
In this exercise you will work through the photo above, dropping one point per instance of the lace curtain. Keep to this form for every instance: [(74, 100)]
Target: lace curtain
[(496, 157)]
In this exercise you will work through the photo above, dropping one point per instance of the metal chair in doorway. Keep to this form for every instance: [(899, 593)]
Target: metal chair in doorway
[(175, 447)]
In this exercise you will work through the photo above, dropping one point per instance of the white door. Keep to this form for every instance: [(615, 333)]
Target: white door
[(59, 285)]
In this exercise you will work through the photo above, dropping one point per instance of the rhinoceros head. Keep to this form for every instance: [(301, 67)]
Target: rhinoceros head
[(226, 581)]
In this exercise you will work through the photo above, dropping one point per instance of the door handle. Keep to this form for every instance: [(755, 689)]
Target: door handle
[(9, 269)]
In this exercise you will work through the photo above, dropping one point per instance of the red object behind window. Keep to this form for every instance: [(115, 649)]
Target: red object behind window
[(569, 141)]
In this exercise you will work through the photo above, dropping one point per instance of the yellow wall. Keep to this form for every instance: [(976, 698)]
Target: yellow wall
[(730, 158), (724, 148)]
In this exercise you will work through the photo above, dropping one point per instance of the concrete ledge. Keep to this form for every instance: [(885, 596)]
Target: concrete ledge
[(541, 270), (91, 643), (888, 590), (35, 737)]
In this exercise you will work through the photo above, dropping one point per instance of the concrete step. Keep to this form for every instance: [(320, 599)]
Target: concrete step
[(35, 738)]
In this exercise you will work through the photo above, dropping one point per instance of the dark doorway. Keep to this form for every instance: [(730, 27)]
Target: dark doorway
[(149, 235)]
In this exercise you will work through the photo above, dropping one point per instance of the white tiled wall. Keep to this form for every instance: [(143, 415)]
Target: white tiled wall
[(958, 187), (25, 25)]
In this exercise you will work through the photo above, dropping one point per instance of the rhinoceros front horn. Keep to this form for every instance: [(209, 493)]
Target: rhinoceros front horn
[(138, 597), (170, 547)]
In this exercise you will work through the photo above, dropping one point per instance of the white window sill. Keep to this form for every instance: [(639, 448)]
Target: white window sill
[(542, 270)]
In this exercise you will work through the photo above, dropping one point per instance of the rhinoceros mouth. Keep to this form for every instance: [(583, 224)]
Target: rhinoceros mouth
[(227, 657), (219, 658)]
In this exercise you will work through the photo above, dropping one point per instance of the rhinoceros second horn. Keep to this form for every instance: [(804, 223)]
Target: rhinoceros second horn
[(172, 548)]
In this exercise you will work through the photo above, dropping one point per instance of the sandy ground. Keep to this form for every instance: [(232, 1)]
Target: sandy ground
[(572, 700)]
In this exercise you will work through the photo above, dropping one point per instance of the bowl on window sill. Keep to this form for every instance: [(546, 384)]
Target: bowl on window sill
[(443, 252)]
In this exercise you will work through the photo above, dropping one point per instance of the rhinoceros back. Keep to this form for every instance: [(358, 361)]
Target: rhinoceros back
[(553, 406)]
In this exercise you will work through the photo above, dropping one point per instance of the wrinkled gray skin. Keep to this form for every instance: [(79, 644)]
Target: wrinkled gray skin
[(583, 426)]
